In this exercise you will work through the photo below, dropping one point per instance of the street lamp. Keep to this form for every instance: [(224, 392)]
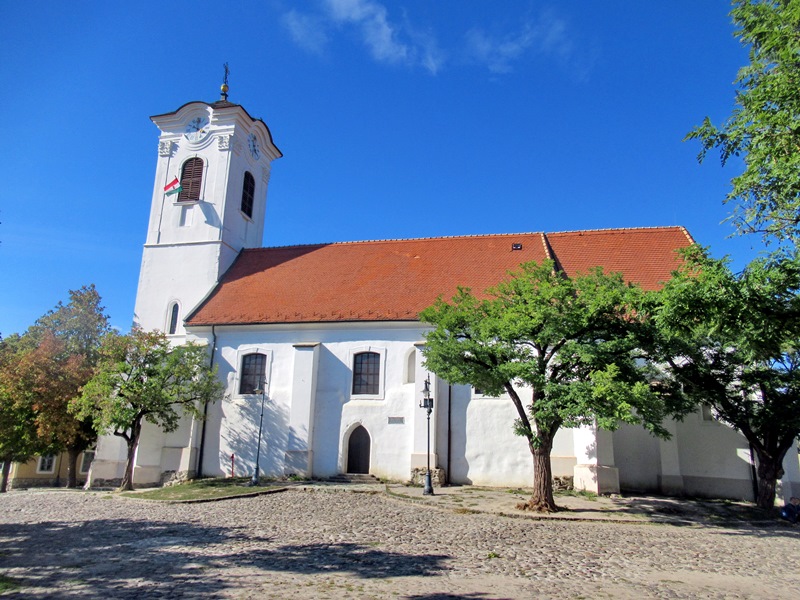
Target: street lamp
[(427, 404), (263, 392)]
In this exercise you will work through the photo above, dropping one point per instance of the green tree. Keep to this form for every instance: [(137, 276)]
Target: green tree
[(43, 371), (19, 440), (764, 126), (731, 341), (62, 353), (570, 343), (141, 378)]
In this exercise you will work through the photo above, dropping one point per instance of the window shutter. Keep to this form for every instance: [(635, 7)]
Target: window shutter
[(191, 180)]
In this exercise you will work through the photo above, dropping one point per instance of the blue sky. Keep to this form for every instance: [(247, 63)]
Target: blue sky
[(396, 120)]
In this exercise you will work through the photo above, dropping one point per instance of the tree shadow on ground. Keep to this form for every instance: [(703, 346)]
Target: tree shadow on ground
[(737, 518), (108, 557), (453, 597)]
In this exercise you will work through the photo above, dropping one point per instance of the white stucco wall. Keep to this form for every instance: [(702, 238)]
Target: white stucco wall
[(477, 431), (232, 427)]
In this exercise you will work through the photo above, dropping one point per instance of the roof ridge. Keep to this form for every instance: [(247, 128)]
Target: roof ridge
[(618, 229), (417, 239), (543, 234)]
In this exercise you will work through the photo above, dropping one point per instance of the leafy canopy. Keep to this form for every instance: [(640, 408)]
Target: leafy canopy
[(19, 440), (141, 377), (764, 126), (731, 341), (573, 341)]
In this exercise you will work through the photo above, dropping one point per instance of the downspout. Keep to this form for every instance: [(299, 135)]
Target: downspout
[(449, 430), (205, 407)]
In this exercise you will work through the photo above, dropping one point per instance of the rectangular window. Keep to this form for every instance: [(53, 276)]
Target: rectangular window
[(366, 373), (253, 370), (46, 464), (88, 457)]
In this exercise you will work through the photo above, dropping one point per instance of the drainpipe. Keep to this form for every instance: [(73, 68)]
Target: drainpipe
[(449, 430), (205, 407)]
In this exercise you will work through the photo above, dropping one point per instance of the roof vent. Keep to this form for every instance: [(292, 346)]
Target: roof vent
[(516, 246)]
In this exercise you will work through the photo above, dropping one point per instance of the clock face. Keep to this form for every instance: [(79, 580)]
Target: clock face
[(252, 143), (197, 129)]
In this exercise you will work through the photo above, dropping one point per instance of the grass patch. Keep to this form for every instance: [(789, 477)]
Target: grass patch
[(465, 511), (577, 494), (9, 584), (493, 555), (202, 489)]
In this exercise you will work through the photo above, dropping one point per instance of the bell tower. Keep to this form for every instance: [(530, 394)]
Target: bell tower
[(209, 201)]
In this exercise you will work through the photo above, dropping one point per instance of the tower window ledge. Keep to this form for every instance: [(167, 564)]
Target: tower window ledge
[(244, 215), (186, 202)]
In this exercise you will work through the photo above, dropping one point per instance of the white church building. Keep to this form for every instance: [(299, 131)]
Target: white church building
[(330, 333)]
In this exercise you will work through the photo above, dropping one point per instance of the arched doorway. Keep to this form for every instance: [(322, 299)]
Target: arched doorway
[(358, 448)]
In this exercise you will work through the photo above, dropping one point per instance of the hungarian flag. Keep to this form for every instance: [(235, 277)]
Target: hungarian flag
[(173, 187)]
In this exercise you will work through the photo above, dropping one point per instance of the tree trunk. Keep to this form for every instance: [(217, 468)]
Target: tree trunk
[(769, 471), (127, 476), (4, 480), (133, 441), (542, 498), (72, 466)]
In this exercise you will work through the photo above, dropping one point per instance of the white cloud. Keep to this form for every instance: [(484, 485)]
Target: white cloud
[(399, 42), (386, 41), (378, 34), (548, 36), (307, 31)]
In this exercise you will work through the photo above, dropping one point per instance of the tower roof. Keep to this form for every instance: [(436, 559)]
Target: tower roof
[(393, 280), (219, 105)]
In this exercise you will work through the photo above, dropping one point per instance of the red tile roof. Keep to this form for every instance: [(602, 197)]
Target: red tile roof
[(393, 280)]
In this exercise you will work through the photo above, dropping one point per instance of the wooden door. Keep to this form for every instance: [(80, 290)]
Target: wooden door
[(358, 448)]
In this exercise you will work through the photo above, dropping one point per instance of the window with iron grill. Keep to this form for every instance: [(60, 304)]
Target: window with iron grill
[(191, 180), (248, 192), (253, 371), (366, 373)]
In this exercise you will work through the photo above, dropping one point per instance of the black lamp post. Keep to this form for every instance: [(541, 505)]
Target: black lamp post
[(263, 392), (427, 404)]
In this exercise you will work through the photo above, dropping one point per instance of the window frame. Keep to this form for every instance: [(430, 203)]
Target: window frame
[(247, 350), (706, 414), (40, 461), (381, 352), (192, 181), (173, 317), (84, 466), (248, 194)]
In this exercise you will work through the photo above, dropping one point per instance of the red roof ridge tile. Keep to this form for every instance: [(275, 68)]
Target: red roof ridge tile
[(394, 240), (620, 230), (542, 234)]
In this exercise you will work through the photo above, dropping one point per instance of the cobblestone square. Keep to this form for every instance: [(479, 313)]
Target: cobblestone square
[(317, 543)]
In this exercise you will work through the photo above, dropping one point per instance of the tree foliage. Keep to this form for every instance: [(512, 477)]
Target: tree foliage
[(18, 433), (572, 344), (44, 371), (764, 126), (731, 341), (141, 378)]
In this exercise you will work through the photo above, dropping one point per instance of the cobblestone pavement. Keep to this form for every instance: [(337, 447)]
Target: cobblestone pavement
[(318, 543)]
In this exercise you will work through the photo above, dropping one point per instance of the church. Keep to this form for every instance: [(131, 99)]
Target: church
[(319, 345)]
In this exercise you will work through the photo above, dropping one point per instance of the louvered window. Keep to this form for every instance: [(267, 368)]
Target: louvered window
[(248, 191), (191, 180), (366, 373), (252, 376)]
